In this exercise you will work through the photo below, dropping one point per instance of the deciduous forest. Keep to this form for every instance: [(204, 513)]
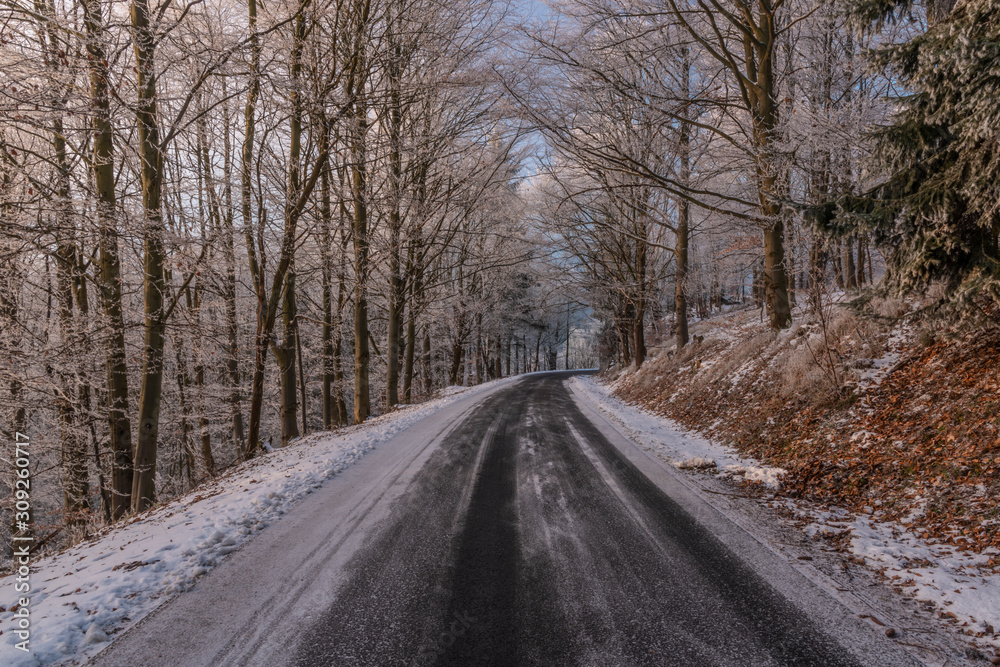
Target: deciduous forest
[(226, 225)]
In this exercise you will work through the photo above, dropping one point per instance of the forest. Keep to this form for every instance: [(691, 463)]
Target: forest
[(225, 226)]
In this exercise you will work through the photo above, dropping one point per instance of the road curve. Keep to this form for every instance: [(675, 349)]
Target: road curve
[(517, 533)]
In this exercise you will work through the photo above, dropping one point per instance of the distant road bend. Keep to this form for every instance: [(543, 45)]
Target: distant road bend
[(513, 528)]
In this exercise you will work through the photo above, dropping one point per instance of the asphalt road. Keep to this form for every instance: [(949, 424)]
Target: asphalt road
[(517, 533)]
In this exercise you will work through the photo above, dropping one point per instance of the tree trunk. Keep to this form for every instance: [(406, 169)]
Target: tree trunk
[(296, 197), (330, 416), (850, 271), (362, 389), (343, 418), (74, 448), (207, 458), (567, 363), (232, 343), (623, 325), (538, 347), (683, 212), (395, 314), (186, 455), (256, 389), (639, 335), (252, 444), (229, 291), (207, 195), (151, 382), (392, 344), (817, 275), (862, 251), (457, 350), (480, 352), (680, 278), (302, 381), (284, 354), (428, 373), (760, 50), (109, 265), (756, 286), (85, 391), (411, 341), (838, 266), (775, 278)]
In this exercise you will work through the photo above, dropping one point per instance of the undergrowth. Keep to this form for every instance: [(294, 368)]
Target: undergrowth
[(864, 412)]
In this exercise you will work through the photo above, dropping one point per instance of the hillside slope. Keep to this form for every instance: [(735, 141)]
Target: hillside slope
[(887, 430)]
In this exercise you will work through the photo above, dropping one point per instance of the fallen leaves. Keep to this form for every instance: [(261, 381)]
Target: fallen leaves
[(930, 455), (128, 567)]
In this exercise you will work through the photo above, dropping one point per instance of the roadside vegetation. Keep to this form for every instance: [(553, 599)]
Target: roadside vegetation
[(891, 418)]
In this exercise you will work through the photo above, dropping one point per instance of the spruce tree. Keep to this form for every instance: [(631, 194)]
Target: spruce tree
[(938, 206)]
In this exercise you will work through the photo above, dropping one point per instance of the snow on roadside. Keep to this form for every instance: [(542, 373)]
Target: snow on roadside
[(669, 440), (957, 583), (104, 585)]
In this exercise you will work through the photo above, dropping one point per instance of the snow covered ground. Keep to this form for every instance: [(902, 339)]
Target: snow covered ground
[(102, 586), (955, 582), (671, 442), (965, 595)]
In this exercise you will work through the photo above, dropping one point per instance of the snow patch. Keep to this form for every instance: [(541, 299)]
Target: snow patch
[(769, 477), (670, 442), (695, 463), (959, 584), (955, 581)]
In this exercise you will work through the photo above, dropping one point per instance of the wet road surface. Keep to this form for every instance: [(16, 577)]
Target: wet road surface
[(520, 536), (529, 540)]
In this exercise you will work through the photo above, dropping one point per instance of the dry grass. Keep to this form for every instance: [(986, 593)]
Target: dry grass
[(930, 429)]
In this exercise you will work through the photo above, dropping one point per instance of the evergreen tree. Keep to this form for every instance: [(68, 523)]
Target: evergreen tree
[(938, 207)]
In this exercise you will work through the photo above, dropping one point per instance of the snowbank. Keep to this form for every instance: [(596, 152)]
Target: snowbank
[(102, 586)]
